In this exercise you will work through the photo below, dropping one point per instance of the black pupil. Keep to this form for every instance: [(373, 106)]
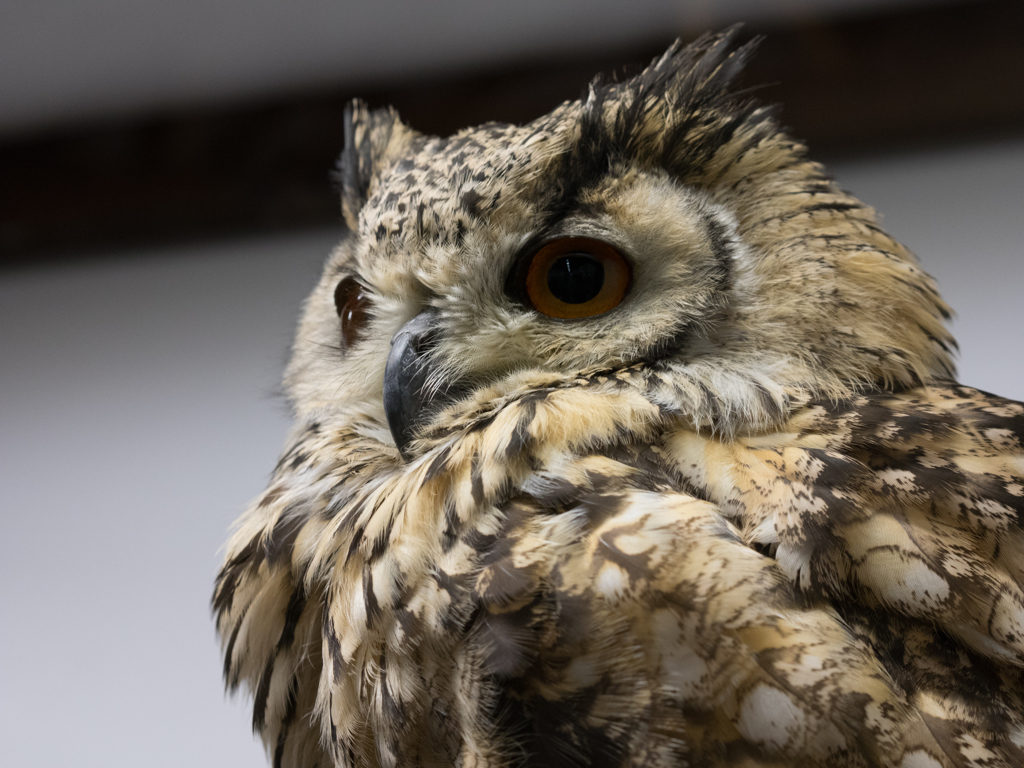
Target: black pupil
[(576, 278)]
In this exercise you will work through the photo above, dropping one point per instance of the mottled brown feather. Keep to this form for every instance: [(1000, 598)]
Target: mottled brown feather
[(746, 519)]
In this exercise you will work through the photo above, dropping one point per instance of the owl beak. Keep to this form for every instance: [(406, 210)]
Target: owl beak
[(407, 398)]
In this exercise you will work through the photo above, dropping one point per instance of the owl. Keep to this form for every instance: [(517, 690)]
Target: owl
[(627, 438)]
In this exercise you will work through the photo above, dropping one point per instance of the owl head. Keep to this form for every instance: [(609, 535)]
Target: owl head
[(661, 224)]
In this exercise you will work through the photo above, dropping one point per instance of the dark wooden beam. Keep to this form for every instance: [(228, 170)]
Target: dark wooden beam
[(857, 84)]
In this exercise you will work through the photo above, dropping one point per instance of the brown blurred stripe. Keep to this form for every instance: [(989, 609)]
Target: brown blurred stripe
[(856, 84)]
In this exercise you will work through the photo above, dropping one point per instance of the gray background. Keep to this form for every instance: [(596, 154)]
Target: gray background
[(138, 411), (138, 414), (63, 60)]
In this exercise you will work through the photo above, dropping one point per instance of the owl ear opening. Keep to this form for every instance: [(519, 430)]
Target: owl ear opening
[(373, 140)]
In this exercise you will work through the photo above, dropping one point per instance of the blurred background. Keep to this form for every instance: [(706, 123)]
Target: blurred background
[(165, 205)]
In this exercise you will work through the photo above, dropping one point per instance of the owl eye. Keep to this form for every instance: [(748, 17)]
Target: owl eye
[(352, 302), (577, 277)]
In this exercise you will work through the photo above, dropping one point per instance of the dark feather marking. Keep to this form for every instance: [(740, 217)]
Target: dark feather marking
[(381, 542), (511, 639), (270, 496), (555, 735), (671, 343), (352, 512), (357, 540), (224, 593), (290, 710), (933, 481), (774, 410), (457, 590), (711, 404), (231, 681), (520, 440), (292, 614), (333, 643), (720, 242), (352, 191), (480, 542), (707, 115), (836, 207), (768, 550), (557, 494), (471, 200), (365, 166), (259, 705), (982, 418), (373, 609), (483, 422), (601, 506), (419, 219), (334, 727), (438, 464), (392, 708), (452, 526), (249, 557), (408, 620), (281, 539), (838, 471), (636, 566), (476, 480), (506, 584), (654, 474)]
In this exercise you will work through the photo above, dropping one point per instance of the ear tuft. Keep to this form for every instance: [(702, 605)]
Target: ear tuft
[(372, 140)]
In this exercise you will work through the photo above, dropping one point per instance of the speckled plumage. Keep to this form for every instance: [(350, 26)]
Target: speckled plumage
[(746, 518)]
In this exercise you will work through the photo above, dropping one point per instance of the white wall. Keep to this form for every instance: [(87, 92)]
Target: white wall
[(137, 417)]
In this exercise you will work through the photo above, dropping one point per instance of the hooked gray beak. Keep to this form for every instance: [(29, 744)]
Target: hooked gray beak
[(407, 400)]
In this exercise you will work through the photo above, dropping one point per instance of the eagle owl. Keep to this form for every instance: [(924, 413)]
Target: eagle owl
[(627, 438)]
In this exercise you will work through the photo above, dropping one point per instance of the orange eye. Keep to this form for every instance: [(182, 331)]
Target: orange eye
[(352, 302), (577, 277)]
